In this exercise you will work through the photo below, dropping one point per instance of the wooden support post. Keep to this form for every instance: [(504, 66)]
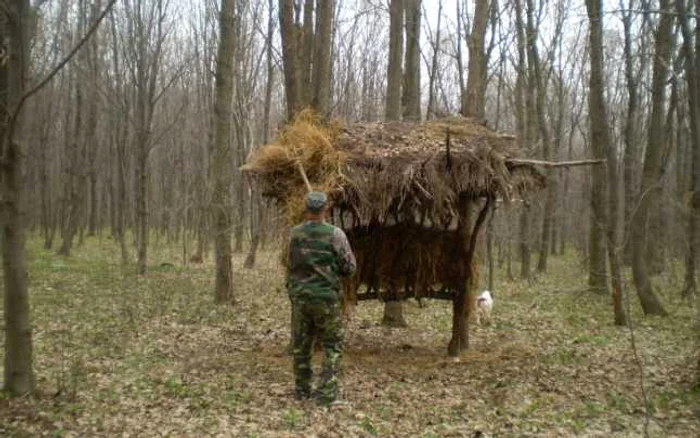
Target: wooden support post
[(460, 306)]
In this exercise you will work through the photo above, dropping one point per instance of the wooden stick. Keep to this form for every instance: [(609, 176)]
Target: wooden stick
[(553, 163), (304, 177)]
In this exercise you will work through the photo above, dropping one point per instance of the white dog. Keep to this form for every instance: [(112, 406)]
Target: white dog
[(484, 306)]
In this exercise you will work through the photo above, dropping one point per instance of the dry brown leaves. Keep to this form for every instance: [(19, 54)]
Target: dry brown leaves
[(155, 357)]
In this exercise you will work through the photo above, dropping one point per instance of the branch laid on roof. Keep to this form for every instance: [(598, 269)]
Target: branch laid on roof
[(554, 163)]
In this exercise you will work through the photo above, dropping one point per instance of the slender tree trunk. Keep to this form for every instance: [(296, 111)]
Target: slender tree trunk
[(223, 155), (18, 369), (597, 272), (394, 70), (411, 83), (290, 48), (307, 60), (256, 198), (691, 49), (602, 145), (74, 169), (461, 308), (631, 137), (142, 235), (393, 310), (541, 123), (474, 102), (525, 253), (652, 170), (322, 57), (432, 88), (490, 230), (91, 137)]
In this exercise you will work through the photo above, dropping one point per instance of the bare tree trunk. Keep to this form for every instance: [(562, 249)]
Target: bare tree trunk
[(432, 89), (290, 48), (223, 155), (322, 57), (602, 145), (411, 83), (474, 102), (490, 230), (691, 49), (524, 118), (393, 314), (393, 310), (14, 31), (525, 254), (307, 60), (73, 179), (597, 268), (394, 70), (540, 86), (461, 308), (256, 214), (91, 137), (652, 170), (631, 137), (142, 145)]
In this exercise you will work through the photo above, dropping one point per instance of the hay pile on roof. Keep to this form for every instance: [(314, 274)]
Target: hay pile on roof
[(398, 189), (397, 171)]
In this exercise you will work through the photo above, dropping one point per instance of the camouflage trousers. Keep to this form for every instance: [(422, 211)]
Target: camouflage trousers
[(323, 319)]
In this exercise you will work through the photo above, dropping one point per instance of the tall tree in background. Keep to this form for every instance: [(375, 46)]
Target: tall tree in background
[(14, 35), (290, 51), (653, 165), (394, 69), (256, 198), (322, 57), (474, 100), (691, 50), (306, 54), (411, 82), (540, 120), (74, 146), (222, 155), (526, 127), (597, 264), (146, 38), (602, 147), (631, 129), (432, 76)]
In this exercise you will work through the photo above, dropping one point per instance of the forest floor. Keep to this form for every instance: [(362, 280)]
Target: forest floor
[(118, 355)]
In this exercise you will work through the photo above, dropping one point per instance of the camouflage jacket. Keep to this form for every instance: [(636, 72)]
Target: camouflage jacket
[(319, 255)]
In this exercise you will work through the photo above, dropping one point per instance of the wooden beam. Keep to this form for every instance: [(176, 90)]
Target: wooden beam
[(542, 163)]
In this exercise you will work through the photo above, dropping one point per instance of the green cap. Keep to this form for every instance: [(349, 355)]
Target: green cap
[(316, 201)]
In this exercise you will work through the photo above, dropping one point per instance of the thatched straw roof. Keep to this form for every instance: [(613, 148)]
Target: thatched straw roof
[(397, 171)]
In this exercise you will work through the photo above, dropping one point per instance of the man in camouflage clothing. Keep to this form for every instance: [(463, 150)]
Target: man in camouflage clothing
[(319, 255)]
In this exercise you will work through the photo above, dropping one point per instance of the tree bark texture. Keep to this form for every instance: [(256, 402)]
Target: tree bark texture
[(652, 170), (597, 269), (394, 70), (393, 314), (691, 49), (322, 57), (461, 308), (474, 102), (18, 369), (411, 82), (602, 146), (631, 137), (291, 65), (222, 158)]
